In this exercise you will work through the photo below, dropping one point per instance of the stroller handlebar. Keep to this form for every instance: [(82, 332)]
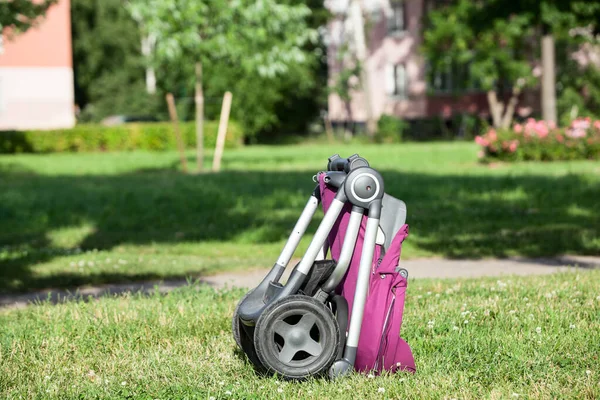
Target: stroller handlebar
[(337, 163)]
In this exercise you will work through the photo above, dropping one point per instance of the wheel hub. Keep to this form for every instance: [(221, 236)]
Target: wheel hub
[(296, 337)]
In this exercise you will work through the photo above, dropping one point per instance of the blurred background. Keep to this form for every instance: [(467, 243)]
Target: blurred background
[(427, 68), (482, 116)]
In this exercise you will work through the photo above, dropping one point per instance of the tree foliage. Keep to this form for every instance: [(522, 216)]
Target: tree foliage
[(16, 16), (262, 36), (109, 73), (259, 50), (107, 60), (498, 40), (495, 50)]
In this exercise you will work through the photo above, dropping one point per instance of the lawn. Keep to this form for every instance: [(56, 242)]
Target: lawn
[(534, 337), (74, 219)]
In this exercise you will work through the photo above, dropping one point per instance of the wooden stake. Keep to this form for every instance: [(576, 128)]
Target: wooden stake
[(174, 119), (225, 108)]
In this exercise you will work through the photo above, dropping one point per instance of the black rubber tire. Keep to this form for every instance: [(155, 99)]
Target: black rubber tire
[(243, 339), (236, 324), (268, 349)]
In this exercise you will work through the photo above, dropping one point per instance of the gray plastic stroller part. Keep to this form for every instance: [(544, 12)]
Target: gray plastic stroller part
[(335, 179), (362, 282), (364, 187), (336, 163), (393, 216), (347, 250), (341, 367)]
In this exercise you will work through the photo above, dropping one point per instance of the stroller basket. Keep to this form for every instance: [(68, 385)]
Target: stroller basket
[(303, 327)]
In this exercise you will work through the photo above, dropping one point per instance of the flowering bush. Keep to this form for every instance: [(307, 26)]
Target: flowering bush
[(542, 141)]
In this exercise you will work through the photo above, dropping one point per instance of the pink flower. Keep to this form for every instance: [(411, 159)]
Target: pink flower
[(551, 125), (541, 129), (513, 146), (481, 141), (581, 123), (576, 133), (597, 124), (530, 126), (560, 138), (492, 134), (518, 128)]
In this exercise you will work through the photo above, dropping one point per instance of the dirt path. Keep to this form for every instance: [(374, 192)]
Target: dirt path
[(423, 268)]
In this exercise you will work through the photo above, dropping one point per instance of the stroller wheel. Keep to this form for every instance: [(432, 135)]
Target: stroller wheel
[(236, 324), (297, 337), (243, 337)]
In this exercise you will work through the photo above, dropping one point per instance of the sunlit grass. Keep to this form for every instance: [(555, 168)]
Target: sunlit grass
[(62, 209), (534, 337)]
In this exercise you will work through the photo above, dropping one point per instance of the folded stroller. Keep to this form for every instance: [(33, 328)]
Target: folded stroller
[(303, 328)]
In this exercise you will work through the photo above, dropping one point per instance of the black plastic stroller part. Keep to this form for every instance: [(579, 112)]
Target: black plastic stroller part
[(244, 337), (318, 275), (337, 163), (297, 337), (339, 307)]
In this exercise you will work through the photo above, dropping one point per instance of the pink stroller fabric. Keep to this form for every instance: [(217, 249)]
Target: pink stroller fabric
[(380, 346)]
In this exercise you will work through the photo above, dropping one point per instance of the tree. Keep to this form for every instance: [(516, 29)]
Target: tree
[(502, 40), (107, 61), (16, 16), (263, 37), (494, 50)]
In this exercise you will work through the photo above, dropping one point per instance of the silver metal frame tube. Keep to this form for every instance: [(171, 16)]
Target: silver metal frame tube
[(322, 254), (298, 231), (320, 236), (362, 284), (347, 250)]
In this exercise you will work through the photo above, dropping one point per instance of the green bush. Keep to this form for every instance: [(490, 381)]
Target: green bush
[(135, 136), (542, 141), (390, 129)]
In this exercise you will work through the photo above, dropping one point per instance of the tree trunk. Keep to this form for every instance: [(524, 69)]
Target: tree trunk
[(148, 42), (361, 55), (512, 104), (199, 98), (548, 79), (502, 116), (496, 108)]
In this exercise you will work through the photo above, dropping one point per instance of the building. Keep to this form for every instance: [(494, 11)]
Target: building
[(36, 75), (397, 73)]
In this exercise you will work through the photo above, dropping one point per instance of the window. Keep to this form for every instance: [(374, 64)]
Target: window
[(397, 81), (450, 77), (396, 22)]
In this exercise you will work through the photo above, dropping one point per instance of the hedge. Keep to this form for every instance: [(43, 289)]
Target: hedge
[(542, 141), (158, 136)]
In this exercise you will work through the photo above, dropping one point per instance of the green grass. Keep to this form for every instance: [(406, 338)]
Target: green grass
[(74, 219), (534, 337)]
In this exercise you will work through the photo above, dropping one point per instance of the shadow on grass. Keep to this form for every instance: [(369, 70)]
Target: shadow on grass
[(450, 215)]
